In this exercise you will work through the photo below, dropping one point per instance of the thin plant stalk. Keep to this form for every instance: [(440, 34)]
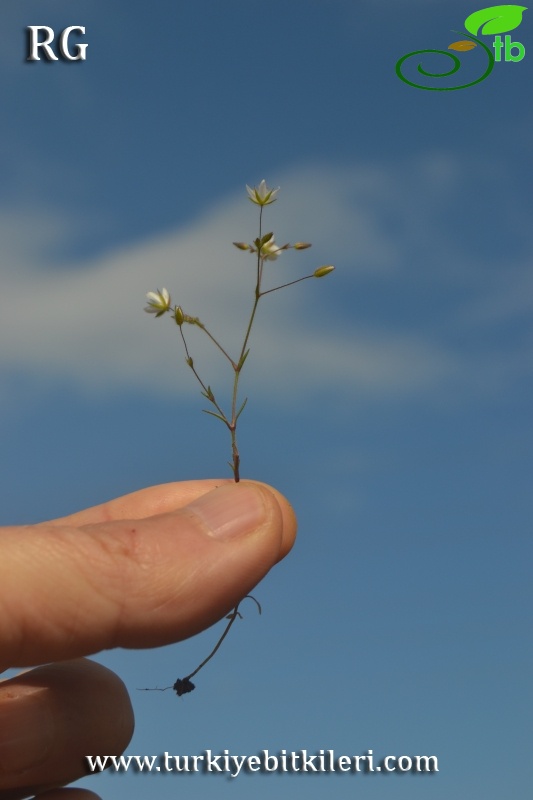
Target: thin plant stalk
[(159, 303)]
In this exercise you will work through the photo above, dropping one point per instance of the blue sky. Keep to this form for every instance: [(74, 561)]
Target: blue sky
[(390, 402)]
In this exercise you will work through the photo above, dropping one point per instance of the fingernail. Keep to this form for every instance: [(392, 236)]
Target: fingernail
[(231, 511), (26, 729)]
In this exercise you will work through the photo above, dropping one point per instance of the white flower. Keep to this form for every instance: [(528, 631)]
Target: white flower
[(158, 302), (262, 195), (270, 251)]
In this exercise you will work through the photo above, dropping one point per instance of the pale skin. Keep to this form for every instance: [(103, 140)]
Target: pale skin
[(144, 570)]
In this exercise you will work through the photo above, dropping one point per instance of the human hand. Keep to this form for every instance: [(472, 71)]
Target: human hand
[(144, 570)]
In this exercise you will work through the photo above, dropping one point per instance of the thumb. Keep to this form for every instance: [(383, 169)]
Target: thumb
[(69, 591)]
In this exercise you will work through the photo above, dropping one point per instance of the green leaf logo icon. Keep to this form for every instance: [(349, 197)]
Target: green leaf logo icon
[(496, 19)]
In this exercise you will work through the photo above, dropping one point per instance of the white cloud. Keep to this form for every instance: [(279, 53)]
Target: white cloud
[(85, 323)]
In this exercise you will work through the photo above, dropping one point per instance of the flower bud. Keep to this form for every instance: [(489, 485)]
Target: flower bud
[(179, 316), (322, 271), (301, 245), (242, 246)]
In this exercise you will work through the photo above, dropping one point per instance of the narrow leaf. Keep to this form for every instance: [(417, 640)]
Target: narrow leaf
[(243, 359), (241, 409), (212, 414)]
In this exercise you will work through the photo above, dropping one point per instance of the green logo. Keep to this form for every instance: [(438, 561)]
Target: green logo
[(487, 22)]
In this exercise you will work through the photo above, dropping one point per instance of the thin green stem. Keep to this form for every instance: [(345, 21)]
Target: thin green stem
[(209, 395), (283, 285), (257, 291), (215, 342), (231, 423), (238, 366)]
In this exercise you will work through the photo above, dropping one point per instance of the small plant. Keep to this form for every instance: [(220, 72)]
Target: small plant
[(264, 249)]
